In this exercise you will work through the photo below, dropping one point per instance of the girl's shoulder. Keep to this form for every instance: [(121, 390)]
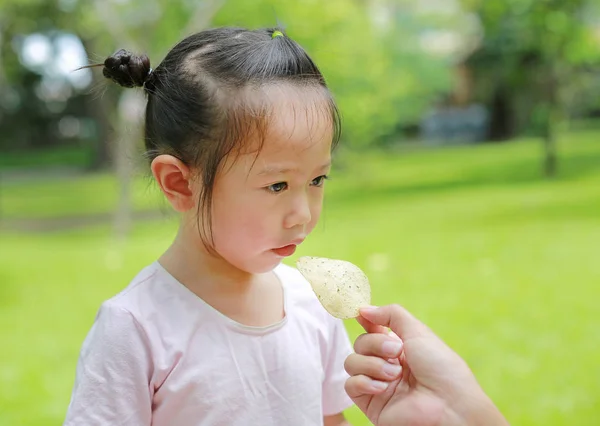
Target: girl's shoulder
[(154, 299), (146, 286)]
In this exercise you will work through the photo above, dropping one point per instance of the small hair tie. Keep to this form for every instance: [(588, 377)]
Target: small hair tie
[(148, 76), (276, 33)]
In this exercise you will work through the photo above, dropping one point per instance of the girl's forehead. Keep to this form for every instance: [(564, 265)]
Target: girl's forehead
[(292, 119), (286, 128)]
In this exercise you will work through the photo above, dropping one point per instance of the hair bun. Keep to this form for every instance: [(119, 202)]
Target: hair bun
[(126, 69)]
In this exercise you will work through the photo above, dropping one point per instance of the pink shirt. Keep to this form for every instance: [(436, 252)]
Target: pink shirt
[(159, 355)]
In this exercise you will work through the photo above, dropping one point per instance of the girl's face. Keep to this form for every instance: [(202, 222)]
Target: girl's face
[(266, 205)]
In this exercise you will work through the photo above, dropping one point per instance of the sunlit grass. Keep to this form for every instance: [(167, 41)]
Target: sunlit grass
[(502, 264)]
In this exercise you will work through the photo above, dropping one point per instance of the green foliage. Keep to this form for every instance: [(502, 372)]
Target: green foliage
[(551, 27), (378, 74), (556, 37)]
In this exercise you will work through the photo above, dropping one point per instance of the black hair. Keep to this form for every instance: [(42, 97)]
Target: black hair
[(196, 109)]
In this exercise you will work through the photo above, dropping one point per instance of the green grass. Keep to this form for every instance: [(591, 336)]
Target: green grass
[(94, 193), (502, 264)]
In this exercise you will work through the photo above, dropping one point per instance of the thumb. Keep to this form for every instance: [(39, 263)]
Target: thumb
[(398, 319)]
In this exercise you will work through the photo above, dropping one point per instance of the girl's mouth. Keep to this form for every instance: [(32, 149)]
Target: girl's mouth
[(285, 251)]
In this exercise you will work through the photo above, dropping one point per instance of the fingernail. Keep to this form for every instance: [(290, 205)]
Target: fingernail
[(378, 386), (391, 348), (392, 370)]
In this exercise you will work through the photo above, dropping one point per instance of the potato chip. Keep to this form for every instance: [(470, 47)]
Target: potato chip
[(341, 287)]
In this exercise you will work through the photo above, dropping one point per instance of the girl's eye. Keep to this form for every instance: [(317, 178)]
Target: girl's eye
[(277, 187), (319, 181)]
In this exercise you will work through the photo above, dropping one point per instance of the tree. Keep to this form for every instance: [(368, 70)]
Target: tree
[(544, 44)]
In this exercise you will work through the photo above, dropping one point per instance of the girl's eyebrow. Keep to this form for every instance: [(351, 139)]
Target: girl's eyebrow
[(280, 170), (276, 170), (325, 165)]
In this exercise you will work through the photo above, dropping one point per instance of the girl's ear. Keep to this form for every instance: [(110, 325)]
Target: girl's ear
[(175, 181)]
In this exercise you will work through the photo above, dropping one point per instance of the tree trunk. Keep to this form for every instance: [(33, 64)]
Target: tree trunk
[(126, 124), (550, 165), (130, 119), (98, 103), (551, 119), (98, 108), (131, 110), (122, 218)]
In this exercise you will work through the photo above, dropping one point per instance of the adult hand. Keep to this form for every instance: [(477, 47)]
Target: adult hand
[(431, 384)]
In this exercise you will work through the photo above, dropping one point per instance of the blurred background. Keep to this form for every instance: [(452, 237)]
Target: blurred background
[(467, 184)]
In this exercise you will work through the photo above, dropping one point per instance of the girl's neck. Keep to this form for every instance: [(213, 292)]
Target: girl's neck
[(191, 264), (250, 299)]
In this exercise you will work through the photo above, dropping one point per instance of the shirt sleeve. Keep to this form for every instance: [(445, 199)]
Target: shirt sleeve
[(113, 375), (335, 398)]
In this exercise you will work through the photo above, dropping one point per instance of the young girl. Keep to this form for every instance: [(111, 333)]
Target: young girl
[(239, 131)]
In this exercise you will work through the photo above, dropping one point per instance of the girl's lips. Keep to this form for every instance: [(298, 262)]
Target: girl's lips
[(285, 251)]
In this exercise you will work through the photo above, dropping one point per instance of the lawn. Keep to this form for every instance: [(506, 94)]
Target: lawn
[(502, 264)]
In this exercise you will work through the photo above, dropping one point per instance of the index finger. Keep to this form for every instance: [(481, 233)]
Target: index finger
[(374, 328), (398, 319), (370, 327)]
